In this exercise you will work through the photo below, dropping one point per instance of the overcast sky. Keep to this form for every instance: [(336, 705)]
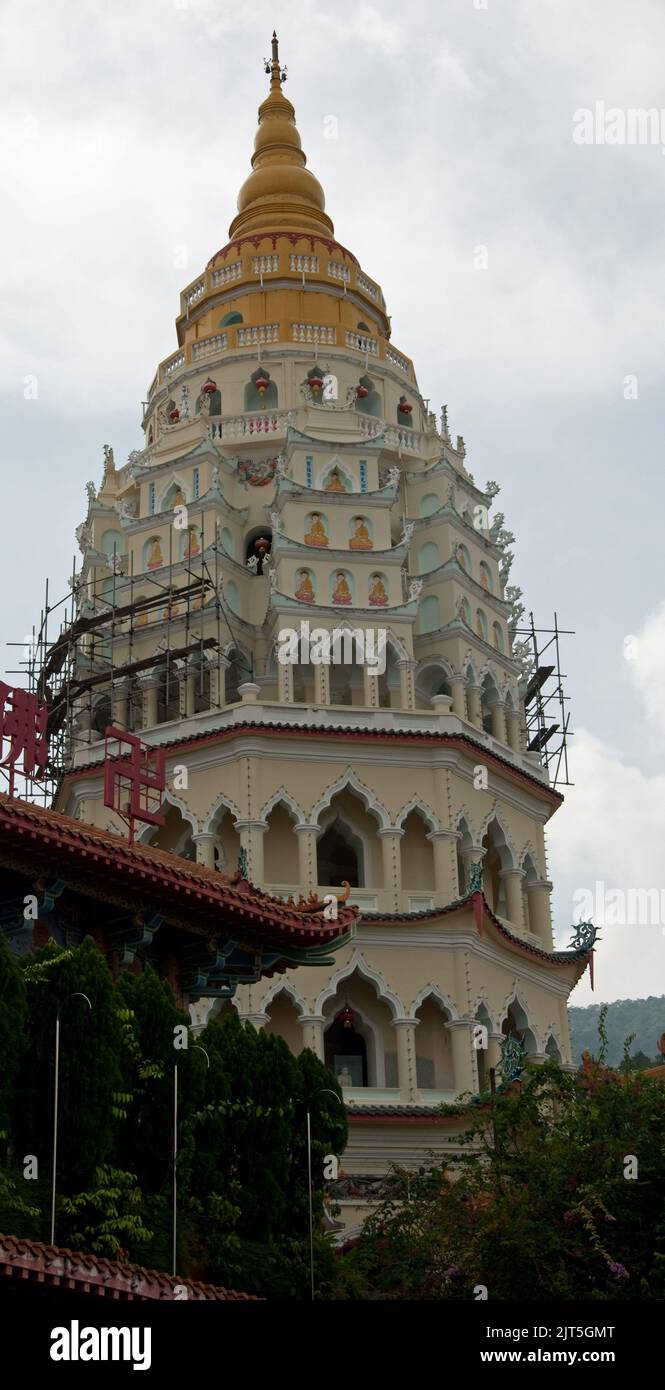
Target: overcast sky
[(125, 133)]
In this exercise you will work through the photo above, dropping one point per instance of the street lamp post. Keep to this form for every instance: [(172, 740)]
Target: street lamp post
[(325, 1090), (195, 1048), (77, 994)]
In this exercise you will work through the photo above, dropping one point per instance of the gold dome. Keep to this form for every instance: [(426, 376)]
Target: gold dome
[(280, 191)]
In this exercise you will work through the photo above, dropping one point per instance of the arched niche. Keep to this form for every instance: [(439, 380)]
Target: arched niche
[(280, 848), (429, 557), (429, 614), (498, 856), (364, 1046), (417, 854), (348, 844), (434, 1054), (175, 835), (284, 1021)]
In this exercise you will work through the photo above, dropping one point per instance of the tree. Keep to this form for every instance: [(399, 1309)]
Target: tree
[(90, 1062), (12, 1024), (544, 1203)]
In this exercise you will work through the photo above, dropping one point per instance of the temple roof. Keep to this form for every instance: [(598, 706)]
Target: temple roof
[(193, 898), (23, 1262)]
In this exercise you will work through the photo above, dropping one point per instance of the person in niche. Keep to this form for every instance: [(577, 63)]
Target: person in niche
[(317, 531), (155, 556), (361, 538), (334, 483), (377, 593), (305, 590), (341, 591)]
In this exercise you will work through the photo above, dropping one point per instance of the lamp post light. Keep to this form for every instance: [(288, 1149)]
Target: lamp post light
[(195, 1048), (324, 1091), (77, 994)]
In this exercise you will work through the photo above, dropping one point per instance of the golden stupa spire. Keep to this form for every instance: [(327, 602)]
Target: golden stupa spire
[(280, 193)]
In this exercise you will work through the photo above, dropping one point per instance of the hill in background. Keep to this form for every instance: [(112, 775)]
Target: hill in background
[(643, 1017)]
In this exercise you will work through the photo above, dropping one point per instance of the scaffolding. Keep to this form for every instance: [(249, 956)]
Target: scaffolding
[(545, 701), (103, 627)]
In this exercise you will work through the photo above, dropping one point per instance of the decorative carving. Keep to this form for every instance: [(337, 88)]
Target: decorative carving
[(408, 528), (585, 935), (256, 473), (513, 1058), (126, 510), (91, 491), (475, 883), (492, 488), (415, 589)]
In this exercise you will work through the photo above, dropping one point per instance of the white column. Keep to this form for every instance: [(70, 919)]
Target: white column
[(312, 1028), (120, 701), (538, 898), (150, 687), (251, 834), (499, 723), (321, 685), (392, 864), (444, 844), (407, 683), (513, 730), (205, 848), (459, 700), (307, 870), (514, 896), (285, 682), (200, 1012), (461, 1038), (473, 705), (406, 1059), (370, 688)]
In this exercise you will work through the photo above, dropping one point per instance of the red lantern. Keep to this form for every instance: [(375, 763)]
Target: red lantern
[(405, 408), (262, 383), (316, 383), (174, 416), (361, 392), (209, 387), (262, 545), (346, 1017)]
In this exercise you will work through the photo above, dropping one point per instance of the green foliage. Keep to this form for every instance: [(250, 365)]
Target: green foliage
[(89, 1062), (12, 1021), (108, 1218), (537, 1206)]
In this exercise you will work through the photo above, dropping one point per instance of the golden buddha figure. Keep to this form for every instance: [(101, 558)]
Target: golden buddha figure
[(360, 539), (179, 498), (155, 556), (316, 535), (192, 546), (334, 483), (377, 592), (305, 590), (341, 591)]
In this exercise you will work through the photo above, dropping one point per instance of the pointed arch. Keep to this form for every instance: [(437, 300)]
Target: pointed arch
[(358, 964), (172, 484), (496, 815), (281, 795), (417, 804), (222, 800), (482, 1002), (341, 467), (170, 799), (432, 991), (281, 986), (349, 781)]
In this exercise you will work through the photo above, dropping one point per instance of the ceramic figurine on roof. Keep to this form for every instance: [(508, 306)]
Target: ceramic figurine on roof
[(326, 709)]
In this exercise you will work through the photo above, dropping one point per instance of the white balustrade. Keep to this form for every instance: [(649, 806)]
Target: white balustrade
[(258, 423), (264, 265), (191, 296), (339, 271), (264, 333), (309, 264), (366, 285), (207, 346), (173, 364), (226, 273), (357, 340), (313, 333), (397, 360)]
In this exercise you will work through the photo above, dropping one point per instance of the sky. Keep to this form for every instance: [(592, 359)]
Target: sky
[(523, 271)]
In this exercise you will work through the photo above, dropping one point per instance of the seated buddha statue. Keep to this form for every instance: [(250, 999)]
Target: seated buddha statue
[(155, 556), (360, 539), (179, 498), (305, 590), (334, 483), (341, 591), (377, 592), (192, 546), (317, 531)]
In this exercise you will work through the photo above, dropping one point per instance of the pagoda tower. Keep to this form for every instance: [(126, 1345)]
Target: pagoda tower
[(292, 474)]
